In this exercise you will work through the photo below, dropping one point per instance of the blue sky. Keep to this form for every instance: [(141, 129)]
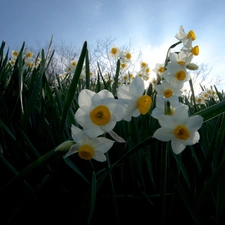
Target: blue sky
[(149, 25)]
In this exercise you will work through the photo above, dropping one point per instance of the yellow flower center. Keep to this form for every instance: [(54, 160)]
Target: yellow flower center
[(147, 70), (181, 132), (86, 152), (15, 53), (29, 55), (161, 69), (195, 50), (30, 64), (199, 100), (123, 65), (182, 63), (128, 56), (100, 115), (143, 64), (180, 75), (114, 51), (73, 63), (168, 93), (144, 104), (191, 34)]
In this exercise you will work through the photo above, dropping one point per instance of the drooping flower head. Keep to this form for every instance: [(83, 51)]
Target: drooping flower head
[(184, 37)]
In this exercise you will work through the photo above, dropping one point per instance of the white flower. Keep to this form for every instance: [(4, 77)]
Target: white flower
[(159, 68), (189, 50), (180, 129), (180, 58), (166, 89), (98, 112), (114, 52), (161, 109), (27, 54), (176, 74), (132, 96), (15, 54), (184, 37), (88, 148), (125, 56)]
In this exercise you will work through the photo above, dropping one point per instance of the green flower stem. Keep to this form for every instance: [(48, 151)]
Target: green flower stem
[(163, 172)]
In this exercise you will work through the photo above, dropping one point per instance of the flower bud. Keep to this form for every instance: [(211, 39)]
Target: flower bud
[(65, 146), (192, 66)]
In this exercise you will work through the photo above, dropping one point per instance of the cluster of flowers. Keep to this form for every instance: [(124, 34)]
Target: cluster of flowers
[(206, 95), (98, 113), (30, 62), (173, 116), (125, 77)]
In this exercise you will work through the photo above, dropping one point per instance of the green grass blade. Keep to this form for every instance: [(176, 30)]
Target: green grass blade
[(212, 111), (185, 197), (48, 157), (75, 169), (87, 65), (35, 94), (2, 124), (93, 197), (210, 186), (73, 86)]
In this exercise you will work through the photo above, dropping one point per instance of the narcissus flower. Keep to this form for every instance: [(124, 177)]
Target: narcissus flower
[(98, 112), (166, 89), (189, 50), (180, 129), (184, 37), (176, 74), (159, 68), (15, 54), (172, 104), (132, 96), (114, 52), (89, 148)]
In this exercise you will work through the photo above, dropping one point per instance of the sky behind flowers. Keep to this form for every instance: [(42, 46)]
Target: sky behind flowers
[(149, 25)]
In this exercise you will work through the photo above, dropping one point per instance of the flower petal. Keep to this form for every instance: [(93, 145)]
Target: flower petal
[(85, 97), (105, 94), (164, 134), (77, 134), (177, 146), (194, 138), (137, 87), (73, 149), (123, 92), (99, 156), (194, 122), (102, 144)]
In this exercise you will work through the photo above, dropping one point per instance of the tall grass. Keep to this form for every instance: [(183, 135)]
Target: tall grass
[(142, 179)]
